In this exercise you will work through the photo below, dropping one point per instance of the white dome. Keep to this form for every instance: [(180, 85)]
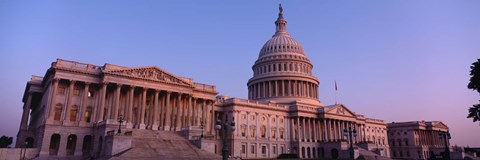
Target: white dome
[(281, 43)]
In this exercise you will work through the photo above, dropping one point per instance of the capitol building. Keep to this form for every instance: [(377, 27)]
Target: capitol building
[(76, 109)]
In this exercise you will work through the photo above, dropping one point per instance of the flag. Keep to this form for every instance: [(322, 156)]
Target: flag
[(336, 89)]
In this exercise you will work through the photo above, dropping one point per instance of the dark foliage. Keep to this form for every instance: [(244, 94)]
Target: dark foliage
[(5, 141)]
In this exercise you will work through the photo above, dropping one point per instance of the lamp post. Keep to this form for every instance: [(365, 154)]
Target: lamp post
[(445, 136), (218, 126), (350, 133), (201, 126), (120, 120)]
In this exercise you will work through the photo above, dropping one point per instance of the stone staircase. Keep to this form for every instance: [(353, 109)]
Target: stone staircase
[(368, 155), (165, 145)]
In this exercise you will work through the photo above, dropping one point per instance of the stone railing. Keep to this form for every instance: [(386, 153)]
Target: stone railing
[(72, 65), (205, 87), (262, 104), (36, 78), (374, 120)]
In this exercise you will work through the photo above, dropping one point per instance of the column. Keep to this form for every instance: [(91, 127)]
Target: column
[(69, 101), (189, 111), (84, 101), (256, 125), (161, 110), (247, 134), (180, 113), (117, 101), (298, 129), (209, 116), (237, 123), (155, 110), (314, 131), (303, 129), (269, 128), (53, 95), (167, 112), (325, 130), (129, 111), (26, 112), (195, 112), (142, 110), (177, 119), (204, 112), (101, 107), (333, 130), (277, 130)]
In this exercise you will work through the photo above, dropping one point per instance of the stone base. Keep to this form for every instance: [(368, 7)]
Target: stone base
[(154, 127), (129, 125), (142, 126)]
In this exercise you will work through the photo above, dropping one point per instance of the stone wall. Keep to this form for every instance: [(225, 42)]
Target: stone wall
[(18, 153)]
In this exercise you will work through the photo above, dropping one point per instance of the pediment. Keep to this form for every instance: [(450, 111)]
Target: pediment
[(150, 73), (341, 110), (440, 125)]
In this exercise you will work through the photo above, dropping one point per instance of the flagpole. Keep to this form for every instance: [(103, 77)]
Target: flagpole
[(336, 91)]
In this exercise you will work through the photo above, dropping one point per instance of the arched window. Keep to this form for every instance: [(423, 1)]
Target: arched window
[(262, 131), (308, 153), (29, 142), (71, 143), (87, 145), (54, 144), (303, 152)]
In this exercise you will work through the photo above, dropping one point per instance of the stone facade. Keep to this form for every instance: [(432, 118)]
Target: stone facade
[(417, 139), (75, 104), (73, 107)]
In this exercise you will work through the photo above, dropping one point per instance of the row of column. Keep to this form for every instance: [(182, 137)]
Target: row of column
[(325, 130), (430, 138), (279, 88), (274, 67), (141, 107)]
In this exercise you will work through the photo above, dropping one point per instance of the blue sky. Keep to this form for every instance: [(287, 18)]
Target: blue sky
[(393, 60)]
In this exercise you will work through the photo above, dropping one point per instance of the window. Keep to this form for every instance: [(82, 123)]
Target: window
[(76, 92), (243, 131), (394, 154), (61, 90), (244, 148), (88, 115), (252, 149), (252, 131), (406, 142), (393, 142), (273, 133), (73, 114), (90, 94), (401, 154), (282, 150), (408, 153), (262, 132), (281, 133), (274, 149), (58, 113), (264, 149)]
